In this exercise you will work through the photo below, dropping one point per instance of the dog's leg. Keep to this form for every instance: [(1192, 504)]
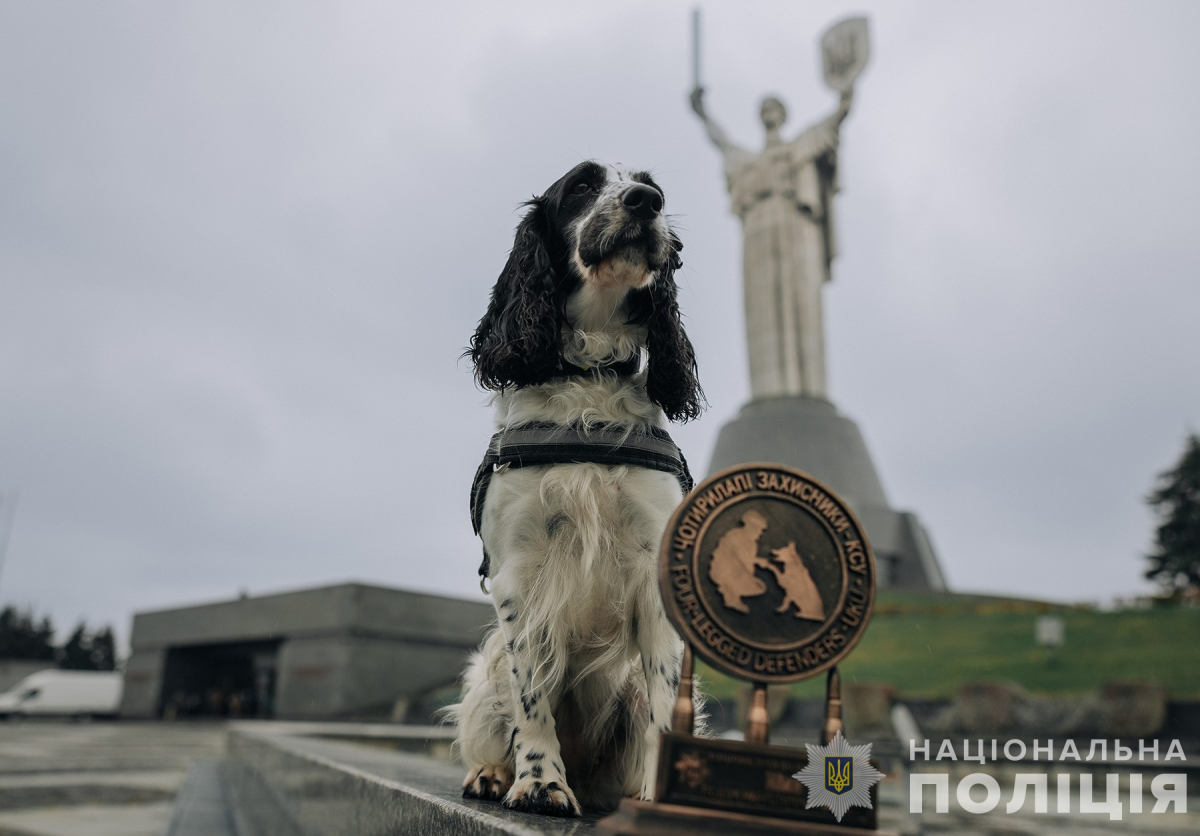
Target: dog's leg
[(484, 718), (662, 652), (541, 782)]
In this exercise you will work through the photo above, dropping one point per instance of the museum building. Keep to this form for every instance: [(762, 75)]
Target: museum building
[(335, 652)]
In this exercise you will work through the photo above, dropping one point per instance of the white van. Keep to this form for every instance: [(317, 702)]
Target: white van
[(64, 693)]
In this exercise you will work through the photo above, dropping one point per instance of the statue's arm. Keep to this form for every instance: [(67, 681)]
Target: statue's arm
[(716, 134), (843, 108), (822, 137)]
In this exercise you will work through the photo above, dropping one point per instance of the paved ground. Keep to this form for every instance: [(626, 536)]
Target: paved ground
[(97, 779), (122, 778)]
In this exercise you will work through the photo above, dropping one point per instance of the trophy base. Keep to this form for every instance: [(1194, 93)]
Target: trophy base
[(646, 818), (753, 779)]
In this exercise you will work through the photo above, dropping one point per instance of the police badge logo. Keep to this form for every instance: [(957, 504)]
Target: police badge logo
[(839, 776)]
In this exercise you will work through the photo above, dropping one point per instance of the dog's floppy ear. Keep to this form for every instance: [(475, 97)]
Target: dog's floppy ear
[(517, 342), (671, 374)]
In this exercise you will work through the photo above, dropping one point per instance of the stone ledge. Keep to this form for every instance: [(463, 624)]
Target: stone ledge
[(289, 785), (304, 779)]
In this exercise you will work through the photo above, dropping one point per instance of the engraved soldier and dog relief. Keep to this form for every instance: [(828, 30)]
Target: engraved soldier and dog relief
[(736, 558)]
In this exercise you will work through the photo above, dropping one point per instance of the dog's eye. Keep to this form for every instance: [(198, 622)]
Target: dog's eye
[(581, 188)]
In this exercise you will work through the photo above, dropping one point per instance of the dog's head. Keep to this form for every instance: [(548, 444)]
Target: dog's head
[(599, 233)]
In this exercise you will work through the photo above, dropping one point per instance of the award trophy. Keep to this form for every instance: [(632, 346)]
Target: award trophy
[(769, 578)]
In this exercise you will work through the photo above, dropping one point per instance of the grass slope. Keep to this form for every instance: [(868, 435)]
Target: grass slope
[(926, 645)]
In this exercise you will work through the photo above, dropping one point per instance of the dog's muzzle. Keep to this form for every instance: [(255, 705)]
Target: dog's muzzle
[(628, 225)]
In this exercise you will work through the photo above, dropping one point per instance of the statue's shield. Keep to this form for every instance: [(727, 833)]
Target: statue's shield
[(844, 52)]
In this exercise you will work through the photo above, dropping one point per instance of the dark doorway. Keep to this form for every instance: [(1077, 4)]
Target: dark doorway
[(891, 570), (220, 680)]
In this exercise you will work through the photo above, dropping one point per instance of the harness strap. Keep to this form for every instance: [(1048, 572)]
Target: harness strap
[(621, 368), (543, 443)]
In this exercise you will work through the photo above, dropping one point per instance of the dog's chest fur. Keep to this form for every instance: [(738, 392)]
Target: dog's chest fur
[(581, 540)]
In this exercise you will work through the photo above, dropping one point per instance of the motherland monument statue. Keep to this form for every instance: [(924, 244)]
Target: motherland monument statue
[(784, 197)]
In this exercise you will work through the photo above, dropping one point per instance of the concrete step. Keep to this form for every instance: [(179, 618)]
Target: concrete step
[(204, 806)]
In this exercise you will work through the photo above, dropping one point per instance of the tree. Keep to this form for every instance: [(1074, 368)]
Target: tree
[(84, 652), (1175, 562), (76, 655), (104, 651), (21, 638)]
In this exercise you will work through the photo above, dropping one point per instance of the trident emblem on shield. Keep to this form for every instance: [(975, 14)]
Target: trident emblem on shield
[(839, 774)]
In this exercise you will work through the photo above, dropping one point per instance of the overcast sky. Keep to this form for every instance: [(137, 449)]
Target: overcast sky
[(242, 247)]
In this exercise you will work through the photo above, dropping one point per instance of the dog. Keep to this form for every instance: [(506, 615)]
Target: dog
[(564, 703)]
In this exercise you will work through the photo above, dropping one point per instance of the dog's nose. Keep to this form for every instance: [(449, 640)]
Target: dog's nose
[(642, 201)]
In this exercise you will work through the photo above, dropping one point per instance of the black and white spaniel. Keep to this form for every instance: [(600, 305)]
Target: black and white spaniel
[(567, 696)]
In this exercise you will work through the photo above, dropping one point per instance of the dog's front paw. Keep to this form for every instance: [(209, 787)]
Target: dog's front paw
[(549, 799), (487, 783)]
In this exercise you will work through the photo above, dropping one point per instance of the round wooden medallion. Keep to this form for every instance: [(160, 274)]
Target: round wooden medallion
[(767, 574)]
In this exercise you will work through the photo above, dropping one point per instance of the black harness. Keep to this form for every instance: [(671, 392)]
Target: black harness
[(543, 443), (621, 368)]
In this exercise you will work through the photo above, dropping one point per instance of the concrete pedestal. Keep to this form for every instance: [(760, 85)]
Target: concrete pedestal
[(810, 434)]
